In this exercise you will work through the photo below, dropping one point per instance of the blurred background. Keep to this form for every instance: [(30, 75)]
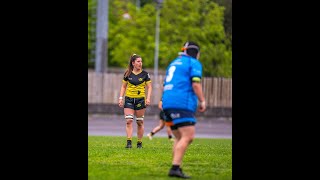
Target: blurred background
[(156, 30)]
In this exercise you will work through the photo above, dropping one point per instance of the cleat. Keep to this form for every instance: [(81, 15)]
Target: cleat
[(129, 145), (171, 139), (178, 173), (139, 145), (150, 136)]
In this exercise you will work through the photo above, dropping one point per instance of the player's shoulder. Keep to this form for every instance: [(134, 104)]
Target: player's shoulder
[(186, 58), (192, 59), (144, 72), (195, 61)]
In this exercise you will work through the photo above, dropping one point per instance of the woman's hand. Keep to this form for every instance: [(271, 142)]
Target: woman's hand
[(202, 106), (147, 102), (160, 105), (120, 102)]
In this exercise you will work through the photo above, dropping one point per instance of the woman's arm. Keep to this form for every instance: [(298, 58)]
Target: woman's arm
[(122, 90), (197, 88), (148, 100)]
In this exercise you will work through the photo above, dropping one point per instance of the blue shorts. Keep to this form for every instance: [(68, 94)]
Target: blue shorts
[(134, 103), (177, 118)]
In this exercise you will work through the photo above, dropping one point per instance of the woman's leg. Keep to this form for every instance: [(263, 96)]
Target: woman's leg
[(169, 132), (159, 127), (156, 129), (128, 114), (139, 119)]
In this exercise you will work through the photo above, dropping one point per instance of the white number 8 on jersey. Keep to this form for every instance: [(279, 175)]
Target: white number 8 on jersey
[(170, 73)]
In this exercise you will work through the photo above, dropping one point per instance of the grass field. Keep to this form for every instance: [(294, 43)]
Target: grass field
[(204, 159)]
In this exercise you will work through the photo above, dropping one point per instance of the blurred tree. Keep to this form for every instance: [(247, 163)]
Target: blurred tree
[(91, 32), (135, 35), (201, 21), (227, 15), (144, 2)]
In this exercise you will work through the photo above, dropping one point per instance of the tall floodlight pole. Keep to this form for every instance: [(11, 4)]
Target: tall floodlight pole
[(156, 54), (102, 36), (138, 4)]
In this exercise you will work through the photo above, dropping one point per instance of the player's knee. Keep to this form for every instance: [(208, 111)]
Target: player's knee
[(190, 139), (129, 122), (139, 120), (140, 123), (129, 118)]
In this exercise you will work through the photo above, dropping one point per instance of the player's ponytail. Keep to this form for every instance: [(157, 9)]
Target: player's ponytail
[(133, 57)]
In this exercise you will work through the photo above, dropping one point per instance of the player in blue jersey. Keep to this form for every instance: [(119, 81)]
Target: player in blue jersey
[(182, 90)]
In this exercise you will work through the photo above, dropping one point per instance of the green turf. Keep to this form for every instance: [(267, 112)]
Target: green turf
[(204, 159)]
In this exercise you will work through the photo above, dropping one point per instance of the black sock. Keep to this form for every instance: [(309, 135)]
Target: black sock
[(152, 133), (169, 136), (175, 167)]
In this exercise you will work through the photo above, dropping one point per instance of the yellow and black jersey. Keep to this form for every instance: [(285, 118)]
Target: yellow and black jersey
[(136, 84)]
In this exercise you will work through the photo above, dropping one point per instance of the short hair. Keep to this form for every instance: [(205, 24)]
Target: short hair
[(191, 48)]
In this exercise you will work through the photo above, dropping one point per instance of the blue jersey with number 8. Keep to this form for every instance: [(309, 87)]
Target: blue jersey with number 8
[(178, 92)]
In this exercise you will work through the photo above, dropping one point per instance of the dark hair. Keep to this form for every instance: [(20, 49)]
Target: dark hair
[(133, 57), (191, 48)]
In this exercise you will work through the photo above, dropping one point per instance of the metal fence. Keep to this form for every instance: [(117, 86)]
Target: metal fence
[(104, 88)]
